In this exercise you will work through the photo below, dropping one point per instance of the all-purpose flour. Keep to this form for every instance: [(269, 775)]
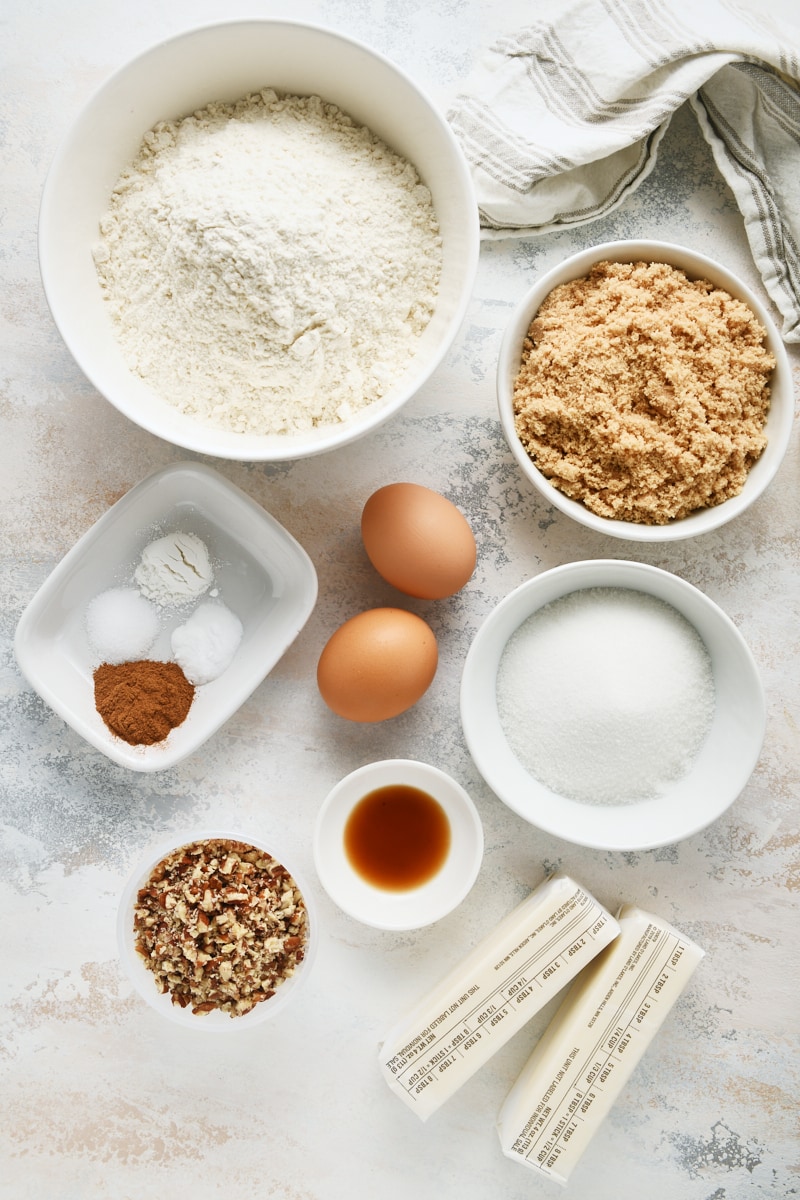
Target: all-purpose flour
[(269, 265)]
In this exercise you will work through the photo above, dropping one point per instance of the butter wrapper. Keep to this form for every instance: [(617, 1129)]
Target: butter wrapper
[(535, 951), (586, 1055)]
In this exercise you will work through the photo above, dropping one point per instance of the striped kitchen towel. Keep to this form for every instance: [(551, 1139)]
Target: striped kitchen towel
[(563, 118)]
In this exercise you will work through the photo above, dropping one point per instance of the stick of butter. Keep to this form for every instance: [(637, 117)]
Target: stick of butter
[(588, 1052), (508, 977)]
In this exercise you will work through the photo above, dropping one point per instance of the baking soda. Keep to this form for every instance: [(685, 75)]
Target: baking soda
[(205, 645), (606, 695)]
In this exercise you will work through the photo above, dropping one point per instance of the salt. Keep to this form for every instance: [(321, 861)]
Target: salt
[(606, 695), (121, 624)]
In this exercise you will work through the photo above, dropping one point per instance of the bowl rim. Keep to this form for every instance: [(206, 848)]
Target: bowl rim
[(210, 440), (572, 821), (143, 980), (385, 910), (697, 265)]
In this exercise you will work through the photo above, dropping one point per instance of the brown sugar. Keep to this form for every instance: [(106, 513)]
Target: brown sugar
[(642, 393)]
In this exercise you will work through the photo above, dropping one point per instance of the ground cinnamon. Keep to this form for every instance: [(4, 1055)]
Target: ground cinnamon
[(142, 701)]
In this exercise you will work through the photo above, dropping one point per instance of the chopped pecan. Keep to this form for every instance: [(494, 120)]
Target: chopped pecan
[(221, 925)]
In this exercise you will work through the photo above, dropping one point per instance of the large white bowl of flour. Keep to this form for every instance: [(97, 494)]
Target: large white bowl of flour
[(258, 299)]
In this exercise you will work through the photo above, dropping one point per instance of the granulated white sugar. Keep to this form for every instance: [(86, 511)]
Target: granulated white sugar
[(606, 695)]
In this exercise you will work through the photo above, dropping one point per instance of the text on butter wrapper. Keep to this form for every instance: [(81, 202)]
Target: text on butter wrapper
[(589, 1050), (507, 978)]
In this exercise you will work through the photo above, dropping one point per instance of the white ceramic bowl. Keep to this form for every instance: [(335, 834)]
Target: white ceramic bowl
[(260, 571), (718, 773), (696, 266), (418, 906), (224, 62), (143, 979)]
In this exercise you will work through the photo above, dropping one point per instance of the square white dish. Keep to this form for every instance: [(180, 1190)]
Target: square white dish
[(260, 572)]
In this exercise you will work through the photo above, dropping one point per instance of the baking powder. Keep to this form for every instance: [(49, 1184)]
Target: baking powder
[(606, 695), (174, 569), (269, 265)]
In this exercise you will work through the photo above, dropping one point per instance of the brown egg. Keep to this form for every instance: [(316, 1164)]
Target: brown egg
[(418, 540), (377, 664)]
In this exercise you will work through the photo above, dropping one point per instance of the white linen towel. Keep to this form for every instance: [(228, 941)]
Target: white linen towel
[(562, 119)]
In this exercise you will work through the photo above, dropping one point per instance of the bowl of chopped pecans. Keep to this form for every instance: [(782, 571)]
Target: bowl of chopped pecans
[(215, 931)]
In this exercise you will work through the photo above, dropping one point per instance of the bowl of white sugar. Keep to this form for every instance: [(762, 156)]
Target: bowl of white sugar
[(613, 704), (258, 239)]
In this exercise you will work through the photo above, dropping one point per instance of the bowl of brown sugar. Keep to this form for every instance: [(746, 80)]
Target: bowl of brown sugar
[(644, 390)]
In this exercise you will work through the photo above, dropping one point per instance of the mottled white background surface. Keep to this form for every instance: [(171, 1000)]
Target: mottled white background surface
[(98, 1097)]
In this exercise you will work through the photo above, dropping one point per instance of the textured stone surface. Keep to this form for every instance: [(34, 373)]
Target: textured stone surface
[(98, 1098)]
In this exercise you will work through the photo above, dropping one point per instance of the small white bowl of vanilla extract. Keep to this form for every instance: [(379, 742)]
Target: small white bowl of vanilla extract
[(398, 844)]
